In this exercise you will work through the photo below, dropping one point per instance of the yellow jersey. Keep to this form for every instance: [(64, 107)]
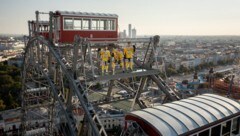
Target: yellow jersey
[(120, 55), (105, 55), (128, 52), (115, 54)]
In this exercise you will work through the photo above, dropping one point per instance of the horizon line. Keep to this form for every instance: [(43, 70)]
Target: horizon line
[(157, 34)]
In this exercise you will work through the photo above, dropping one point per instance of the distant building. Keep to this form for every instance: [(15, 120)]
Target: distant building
[(111, 119), (121, 35), (134, 33), (171, 43), (124, 33), (129, 30)]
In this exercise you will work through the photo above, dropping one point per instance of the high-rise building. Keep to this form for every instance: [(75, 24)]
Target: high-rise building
[(129, 30), (121, 35), (134, 33), (124, 34)]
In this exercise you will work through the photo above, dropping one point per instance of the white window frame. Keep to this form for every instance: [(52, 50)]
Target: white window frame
[(81, 23), (64, 23), (90, 23), (210, 128), (97, 28)]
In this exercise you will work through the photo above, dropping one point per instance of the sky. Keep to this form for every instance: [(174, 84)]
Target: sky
[(149, 17)]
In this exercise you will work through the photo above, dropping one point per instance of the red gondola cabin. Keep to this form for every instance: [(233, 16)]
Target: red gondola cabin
[(96, 26)]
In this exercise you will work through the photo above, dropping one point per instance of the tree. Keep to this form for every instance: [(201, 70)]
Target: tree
[(219, 75), (2, 105), (198, 68), (210, 64), (10, 101), (5, 79), (10, 86), (98, 86), (182, 69), (222, 62), (171, 66), (171, 71), (162, 75)]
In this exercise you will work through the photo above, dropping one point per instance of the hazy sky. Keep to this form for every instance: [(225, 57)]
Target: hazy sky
[(163, 17)]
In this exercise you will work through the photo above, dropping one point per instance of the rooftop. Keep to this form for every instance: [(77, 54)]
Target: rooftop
[(72, 13), (182, 116)]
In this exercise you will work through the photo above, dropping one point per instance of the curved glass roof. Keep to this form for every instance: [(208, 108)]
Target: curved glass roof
[(179, 117)]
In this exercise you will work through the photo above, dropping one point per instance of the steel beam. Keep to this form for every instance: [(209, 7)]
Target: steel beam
[(109, 93), (138, 73), (139, 91)]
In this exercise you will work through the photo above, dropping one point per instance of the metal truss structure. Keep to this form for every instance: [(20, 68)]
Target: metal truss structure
[(53, 74)]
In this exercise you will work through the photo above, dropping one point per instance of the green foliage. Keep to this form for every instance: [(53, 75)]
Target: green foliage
[(210, 64), (10, 86), (3, 72), (171, 66), (221, 62), (5, 79), (219, 75), (183, 69), (2, 105), (225, 62), (171, 71), (197, 68), (98, 86), (162, 75)]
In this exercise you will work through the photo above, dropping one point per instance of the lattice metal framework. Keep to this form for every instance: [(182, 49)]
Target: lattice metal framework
[(53, 74)]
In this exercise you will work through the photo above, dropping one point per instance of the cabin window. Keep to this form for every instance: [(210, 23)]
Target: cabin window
[(204, 133), (68, 23), (111, 25), (86, 24), (77, 24), (103, 25), (235, 126), (226, 127), (216, 130), (94, 24), (46, 28)]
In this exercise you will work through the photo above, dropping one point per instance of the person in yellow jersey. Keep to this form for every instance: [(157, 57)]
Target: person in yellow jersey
[(105, 58), (128, 54), (120, 57), (114, 59)]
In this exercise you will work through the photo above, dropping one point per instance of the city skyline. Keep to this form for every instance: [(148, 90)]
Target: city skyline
[(187, 17)]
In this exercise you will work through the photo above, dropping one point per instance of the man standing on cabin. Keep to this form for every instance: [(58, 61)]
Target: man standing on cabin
[(128, 55), (105, 58)]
